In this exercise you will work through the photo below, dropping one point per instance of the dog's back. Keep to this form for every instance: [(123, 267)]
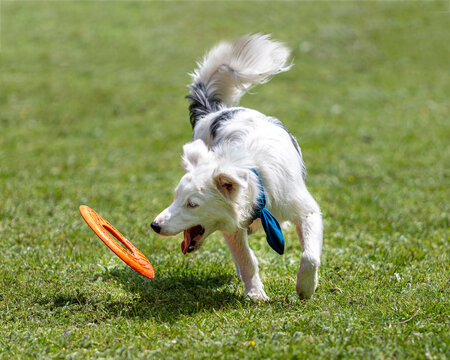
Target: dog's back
[(228, 71)]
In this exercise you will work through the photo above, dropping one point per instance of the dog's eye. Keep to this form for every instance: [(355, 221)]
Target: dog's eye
[(191, 205)]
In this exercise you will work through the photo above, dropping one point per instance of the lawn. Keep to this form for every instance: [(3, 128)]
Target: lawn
[(92, 111)]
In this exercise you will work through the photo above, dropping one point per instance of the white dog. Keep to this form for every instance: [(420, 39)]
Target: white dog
[(239, 156)]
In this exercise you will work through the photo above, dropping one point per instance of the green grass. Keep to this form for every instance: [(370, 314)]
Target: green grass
[(92, 111)]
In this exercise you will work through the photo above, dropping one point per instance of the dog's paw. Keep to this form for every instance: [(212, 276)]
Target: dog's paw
[(307, 279), (257, 294), (254, 288), (305, 293)]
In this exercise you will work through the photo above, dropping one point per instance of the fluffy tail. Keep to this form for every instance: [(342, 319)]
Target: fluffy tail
[(230, 69)]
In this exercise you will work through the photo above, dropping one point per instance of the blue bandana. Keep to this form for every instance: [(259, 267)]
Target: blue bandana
[(269, 222)]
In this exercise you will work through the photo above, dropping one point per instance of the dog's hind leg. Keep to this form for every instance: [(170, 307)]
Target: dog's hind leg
[(246, 264), (309, 231)]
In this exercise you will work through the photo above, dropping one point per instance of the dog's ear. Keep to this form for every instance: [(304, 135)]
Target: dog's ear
[(194, 153), (230, 182)]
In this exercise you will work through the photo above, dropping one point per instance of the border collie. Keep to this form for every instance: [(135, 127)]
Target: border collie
[(243, 169)]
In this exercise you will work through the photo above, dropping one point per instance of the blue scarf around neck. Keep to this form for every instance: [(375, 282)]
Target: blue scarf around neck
[(269, 222)]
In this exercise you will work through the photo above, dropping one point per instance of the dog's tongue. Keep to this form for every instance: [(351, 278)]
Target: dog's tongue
[(186, 242), (191, 236)]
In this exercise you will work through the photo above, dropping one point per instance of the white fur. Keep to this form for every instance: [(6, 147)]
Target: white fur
[(231, 68), (218, 179)]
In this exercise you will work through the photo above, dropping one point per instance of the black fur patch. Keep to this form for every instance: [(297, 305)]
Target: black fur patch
[(217, 122), (201, 103)]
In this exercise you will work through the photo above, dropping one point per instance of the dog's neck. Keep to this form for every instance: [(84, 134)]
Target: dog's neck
[(271, 226), (248, 204)]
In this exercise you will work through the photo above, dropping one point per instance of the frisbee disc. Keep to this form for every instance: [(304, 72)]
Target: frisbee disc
[(108, 234)]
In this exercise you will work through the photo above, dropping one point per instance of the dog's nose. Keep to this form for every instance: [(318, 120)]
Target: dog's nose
[(155, 226)]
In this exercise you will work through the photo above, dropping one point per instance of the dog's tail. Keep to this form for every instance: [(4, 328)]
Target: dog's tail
[(230, 69)]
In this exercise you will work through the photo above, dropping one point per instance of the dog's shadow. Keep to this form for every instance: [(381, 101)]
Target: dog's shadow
[(165, 299), (170, 296)]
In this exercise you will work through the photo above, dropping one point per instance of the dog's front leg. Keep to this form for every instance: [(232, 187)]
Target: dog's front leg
[(246, 264), (310, 235)]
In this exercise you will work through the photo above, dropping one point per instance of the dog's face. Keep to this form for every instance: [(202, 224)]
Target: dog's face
[(204, 201)]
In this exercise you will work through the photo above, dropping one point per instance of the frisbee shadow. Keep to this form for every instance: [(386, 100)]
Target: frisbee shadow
[(165, 298)]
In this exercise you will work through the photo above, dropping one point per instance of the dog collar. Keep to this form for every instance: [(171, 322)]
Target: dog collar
[(269, 222)]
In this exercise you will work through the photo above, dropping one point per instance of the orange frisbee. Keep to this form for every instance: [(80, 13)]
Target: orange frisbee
[(104, 230)]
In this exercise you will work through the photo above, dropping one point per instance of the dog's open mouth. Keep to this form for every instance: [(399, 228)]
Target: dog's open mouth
[(192, 237)]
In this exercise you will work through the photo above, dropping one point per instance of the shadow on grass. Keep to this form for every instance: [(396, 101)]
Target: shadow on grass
[(165, 299)]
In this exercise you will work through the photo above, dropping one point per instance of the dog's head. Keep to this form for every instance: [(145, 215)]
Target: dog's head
[(206, 200)]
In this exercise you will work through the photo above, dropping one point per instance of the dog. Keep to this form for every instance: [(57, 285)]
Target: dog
[(242, 162)]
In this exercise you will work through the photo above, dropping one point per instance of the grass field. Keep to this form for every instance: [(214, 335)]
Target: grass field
[(92, 111)]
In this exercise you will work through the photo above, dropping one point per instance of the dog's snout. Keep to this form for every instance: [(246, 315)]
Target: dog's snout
[(156, 227)]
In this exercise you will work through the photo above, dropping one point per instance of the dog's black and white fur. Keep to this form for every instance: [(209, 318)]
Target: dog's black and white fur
[(219, 191)]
